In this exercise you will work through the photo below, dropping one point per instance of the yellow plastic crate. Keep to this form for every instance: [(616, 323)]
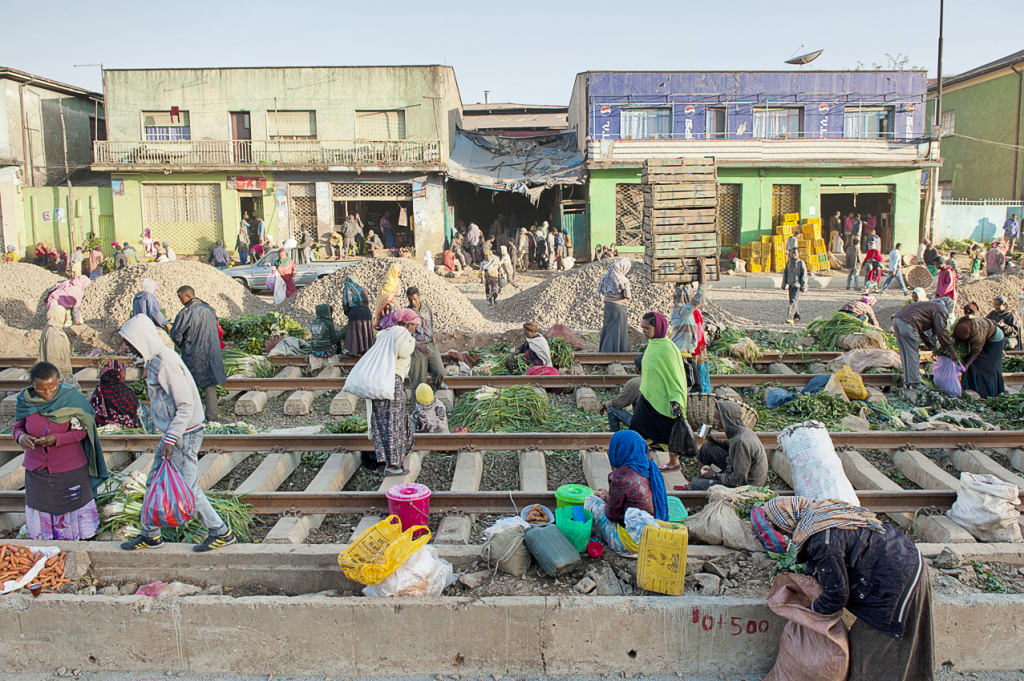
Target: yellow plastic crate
[(755, 267), (811, 221), (778, 240), (791, 217), (661, 562), (819, 242), (766, 238), (819, 250)]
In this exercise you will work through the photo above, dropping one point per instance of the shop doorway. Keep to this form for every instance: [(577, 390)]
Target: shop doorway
[(253, 205), (370, 214), (489, 209), (873, 206)]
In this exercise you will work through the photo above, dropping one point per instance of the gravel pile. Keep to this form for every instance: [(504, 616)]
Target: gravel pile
[(982, 291), (572, 299), (22, 289), (452, 309), (108, 300)]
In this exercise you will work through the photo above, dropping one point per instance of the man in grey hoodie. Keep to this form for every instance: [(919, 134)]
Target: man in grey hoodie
[(177, 412), (741, 457)]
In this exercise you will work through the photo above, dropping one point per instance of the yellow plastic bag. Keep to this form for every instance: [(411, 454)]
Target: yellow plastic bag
[(380, 550), (853, 384)]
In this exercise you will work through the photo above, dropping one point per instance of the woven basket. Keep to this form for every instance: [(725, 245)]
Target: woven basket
[(919, 277), (700, 409)]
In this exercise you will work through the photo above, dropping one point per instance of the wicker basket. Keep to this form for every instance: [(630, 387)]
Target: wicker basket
[(919, 277), (700, 409)]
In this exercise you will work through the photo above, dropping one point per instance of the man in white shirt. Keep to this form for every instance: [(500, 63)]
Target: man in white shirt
[(896, 270), (171, 255)]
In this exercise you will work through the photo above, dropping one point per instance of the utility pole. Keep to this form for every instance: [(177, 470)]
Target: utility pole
[(937, 125), (67, 177)]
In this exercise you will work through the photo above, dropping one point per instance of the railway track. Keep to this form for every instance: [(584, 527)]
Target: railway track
[(444, 442)]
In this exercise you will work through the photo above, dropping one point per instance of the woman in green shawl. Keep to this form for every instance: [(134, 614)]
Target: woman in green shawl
[(56, 426), (663, 388)]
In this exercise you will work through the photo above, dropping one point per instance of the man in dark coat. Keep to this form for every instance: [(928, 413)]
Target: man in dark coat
[(195, 332), (741, 457)]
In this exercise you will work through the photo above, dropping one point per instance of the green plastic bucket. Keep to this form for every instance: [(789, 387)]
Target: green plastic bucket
[(676, 511), (571, 495), (578, 533)]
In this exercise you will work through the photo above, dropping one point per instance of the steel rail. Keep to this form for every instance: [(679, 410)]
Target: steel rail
[(293, 503), (444, 442), (463, 383)]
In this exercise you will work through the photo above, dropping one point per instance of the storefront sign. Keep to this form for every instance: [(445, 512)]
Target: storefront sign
[(259, 183)]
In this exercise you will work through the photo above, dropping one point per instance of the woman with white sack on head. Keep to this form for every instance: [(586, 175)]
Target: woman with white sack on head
[(379, 378)]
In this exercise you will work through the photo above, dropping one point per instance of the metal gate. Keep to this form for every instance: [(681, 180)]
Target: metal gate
[(576, 224), (107, 235), (302, 209), (729, 214), (629, 215), (785, 199), (186, 215)]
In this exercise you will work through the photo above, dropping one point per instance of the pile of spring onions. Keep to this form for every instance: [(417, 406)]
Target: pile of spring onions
[(120, 505), (562, 355), (829, 332), (519, 408), (238, 363)]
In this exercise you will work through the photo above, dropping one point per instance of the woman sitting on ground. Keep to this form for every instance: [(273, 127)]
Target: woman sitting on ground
[(429, 415), (535, 349), (323, 335), (863, 309), (663, 389), (634, 483), (113, 401), (984, 366), (56, 427), (872, 570)]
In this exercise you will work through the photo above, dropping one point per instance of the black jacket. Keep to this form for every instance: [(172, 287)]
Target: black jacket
[(873, 575), (195, 332)]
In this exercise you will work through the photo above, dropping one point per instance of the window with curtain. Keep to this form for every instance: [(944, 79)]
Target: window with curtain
[(650, 123), (868, 122), (778, 123), (162, 126), (291, 125), (948, 123), (716, 125)]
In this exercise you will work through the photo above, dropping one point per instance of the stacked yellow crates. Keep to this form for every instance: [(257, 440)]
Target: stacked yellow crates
[(815, 251)]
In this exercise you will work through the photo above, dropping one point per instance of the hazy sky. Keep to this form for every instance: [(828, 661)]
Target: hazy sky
[(527, 51)]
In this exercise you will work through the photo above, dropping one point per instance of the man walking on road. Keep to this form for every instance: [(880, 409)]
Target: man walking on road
[(1011, 230), (794, 277), (195, 332), (426, 360), (896, 270), (174, 401)]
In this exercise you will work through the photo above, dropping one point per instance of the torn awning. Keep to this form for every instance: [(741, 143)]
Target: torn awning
[(526, 165)]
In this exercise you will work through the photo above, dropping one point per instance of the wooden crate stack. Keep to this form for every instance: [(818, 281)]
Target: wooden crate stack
[(680, 218), (769, 253)]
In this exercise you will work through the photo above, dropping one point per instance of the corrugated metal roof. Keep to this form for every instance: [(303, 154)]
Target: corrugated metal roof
[(1003, 63), (24, 77)]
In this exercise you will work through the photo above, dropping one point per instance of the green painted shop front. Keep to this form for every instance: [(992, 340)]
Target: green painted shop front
[(750, 197)]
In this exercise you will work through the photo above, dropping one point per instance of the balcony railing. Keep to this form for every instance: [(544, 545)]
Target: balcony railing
[(206, 153)]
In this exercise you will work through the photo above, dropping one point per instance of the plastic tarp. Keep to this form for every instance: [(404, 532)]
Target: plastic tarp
[(526, 165)]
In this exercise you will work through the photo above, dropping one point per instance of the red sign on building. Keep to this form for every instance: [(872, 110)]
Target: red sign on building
[(247, 182)]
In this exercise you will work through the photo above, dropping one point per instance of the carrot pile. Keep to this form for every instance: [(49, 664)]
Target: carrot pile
[(16, 561)]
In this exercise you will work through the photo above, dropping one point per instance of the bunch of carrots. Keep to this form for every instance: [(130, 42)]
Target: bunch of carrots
[(17, 560)]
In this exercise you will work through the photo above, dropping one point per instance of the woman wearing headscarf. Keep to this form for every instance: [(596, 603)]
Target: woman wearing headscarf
[(354, 303), (522, 248), (69, 294), (872, 570), (56, 427), (984, 366), (535, 349), (285, 269), (687, 324), (385, 303), (145, 303), (863, 309), (39, 256), (428, 261), (450, 264), (505, 266), (54, 346), (429, 415), (918, 295), (945, 285), (113, 401), (323, 336), (614, 288), (663, 389), (390, 425), (489, 272), (634, 483)]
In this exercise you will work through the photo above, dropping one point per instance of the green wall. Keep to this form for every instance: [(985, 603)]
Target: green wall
[(90, 203), (756, 196), (128, 208), (984, 111)]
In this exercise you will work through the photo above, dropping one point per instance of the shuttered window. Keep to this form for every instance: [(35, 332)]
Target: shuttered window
[(291, 125), (380, 125), (161, 126), (729, 214)]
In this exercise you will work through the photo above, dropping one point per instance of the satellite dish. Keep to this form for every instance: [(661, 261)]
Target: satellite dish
[(805, 59)]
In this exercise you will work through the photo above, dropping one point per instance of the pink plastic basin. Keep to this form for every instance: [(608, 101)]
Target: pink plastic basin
[(411, 503)]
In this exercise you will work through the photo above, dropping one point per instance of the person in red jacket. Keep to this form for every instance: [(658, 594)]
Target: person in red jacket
[(874, 275)]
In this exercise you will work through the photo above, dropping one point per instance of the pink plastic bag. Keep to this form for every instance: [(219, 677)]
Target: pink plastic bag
[(542, 371), (947, 375), (168, 502)]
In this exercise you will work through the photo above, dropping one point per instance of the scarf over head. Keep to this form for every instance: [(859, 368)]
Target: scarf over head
[(628, 448), (868, 300), (405, 315), (388, 290), (449, 260), (614, 280), (921, 294), (663, 376), (660, 325), (428, 260), (149, 286), (540, 347), (801, 517), (54, 345), (113, 397), (353, 293), (67, 404)]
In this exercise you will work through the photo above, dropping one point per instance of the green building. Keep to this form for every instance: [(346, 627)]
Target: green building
[(983, 131), (191, 151)]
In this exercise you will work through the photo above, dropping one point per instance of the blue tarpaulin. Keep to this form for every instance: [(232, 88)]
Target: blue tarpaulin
[(526, 165)]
